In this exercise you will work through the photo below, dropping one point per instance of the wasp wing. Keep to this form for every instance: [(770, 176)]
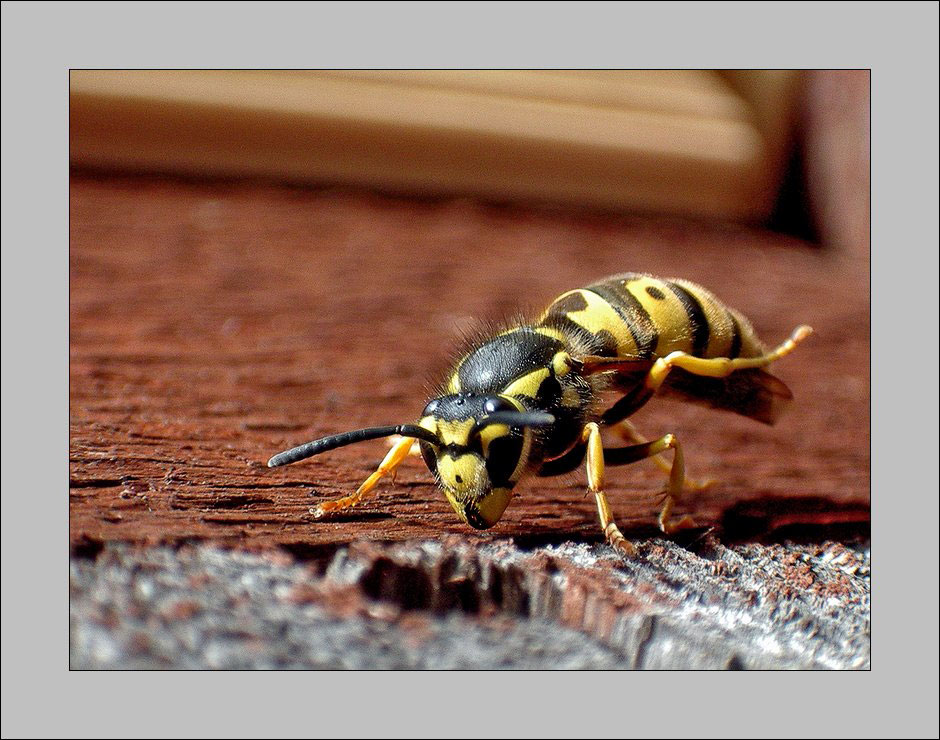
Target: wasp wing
[(753, 393)]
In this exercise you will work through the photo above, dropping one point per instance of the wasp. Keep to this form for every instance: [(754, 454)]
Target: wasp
[(528, 399)]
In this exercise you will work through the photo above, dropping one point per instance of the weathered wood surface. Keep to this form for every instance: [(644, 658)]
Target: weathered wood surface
[(212, 325), (457, 603)]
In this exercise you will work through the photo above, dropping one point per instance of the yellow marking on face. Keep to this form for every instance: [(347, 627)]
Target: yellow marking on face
[(458, 509), (454, 385), (666, 311), (461, 474), (528, 384), (520, 468), (429, 423), (514, 401), (491, 432), (454, 432), (523, 452), (494, 431), (599, 316)]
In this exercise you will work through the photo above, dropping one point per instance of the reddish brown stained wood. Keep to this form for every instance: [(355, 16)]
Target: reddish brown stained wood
[(212, 325)]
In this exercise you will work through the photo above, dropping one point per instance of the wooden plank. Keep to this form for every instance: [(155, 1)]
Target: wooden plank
[(680, 142), (212, 325)]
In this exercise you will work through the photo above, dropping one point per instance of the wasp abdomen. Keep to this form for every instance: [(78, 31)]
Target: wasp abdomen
[(641, 316)]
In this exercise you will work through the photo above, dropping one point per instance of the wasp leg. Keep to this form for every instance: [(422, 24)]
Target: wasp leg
[(595, 475), (627, 432), (674, 487), (415, 450), (627, 455), (392, 460), (720, 367)]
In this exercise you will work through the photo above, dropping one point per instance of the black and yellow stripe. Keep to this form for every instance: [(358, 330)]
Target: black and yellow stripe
[(641, 316)]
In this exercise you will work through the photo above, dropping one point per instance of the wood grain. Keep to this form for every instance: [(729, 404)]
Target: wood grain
[(213, 324)]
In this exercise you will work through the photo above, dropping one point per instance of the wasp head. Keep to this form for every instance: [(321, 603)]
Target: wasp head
[(484, 446)]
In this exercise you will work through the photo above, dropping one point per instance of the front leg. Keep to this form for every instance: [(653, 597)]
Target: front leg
[(388, 466)]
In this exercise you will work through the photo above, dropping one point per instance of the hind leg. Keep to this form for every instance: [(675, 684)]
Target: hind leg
[(629, 433), (674, 487), (719, 367)]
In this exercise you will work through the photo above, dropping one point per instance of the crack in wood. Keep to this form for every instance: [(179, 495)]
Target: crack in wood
[(645, 634), (643, 619), (236, 520), (802, 519), (95, 482)]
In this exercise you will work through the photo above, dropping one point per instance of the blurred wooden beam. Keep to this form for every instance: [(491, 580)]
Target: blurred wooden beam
[(680, 142)]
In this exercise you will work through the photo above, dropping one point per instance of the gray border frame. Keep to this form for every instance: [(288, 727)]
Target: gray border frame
[(898, 41)]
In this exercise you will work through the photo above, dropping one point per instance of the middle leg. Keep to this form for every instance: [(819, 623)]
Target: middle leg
[(591, 436), (629, 433), (597, 456)]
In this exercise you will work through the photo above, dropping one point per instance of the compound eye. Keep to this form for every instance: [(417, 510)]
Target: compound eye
[(429, 456), (431, 407), (495, 403)]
